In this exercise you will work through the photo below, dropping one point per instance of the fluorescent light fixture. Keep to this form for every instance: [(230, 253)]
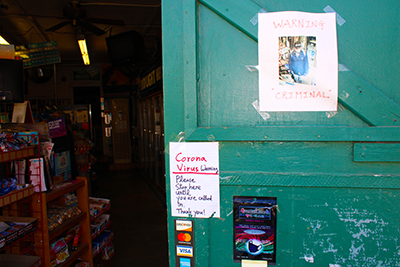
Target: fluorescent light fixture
[(3, 41), (84, 51)]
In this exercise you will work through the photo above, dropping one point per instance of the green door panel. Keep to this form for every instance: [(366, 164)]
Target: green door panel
[(376, 152), (354, 91), (335, 174), (227, 89), (348, 227)]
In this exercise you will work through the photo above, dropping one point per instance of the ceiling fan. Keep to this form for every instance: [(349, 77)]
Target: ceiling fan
[(76, 16)]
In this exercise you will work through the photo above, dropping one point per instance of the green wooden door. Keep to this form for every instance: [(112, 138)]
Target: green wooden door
[(335, 174)]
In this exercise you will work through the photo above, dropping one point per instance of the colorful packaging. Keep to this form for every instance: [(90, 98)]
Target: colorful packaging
[(58, 252), (108, 252)]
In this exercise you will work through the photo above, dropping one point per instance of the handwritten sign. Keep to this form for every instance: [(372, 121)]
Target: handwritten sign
[(298, 64), (194, 172)]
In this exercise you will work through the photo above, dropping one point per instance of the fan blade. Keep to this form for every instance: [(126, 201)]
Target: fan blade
[(58, 26), (90, 27), (116, 22)]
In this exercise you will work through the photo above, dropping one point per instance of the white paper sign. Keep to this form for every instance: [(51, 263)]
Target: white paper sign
[(298, 63), (194, 172)]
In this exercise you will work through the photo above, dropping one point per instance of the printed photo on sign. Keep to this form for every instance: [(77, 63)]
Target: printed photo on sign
[(298, 62), (255, 228), (298, 59)]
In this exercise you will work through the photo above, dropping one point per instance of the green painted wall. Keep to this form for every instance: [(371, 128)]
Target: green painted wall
[(335, 174)]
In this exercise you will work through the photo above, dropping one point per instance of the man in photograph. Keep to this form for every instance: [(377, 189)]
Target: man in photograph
[(298, 63)]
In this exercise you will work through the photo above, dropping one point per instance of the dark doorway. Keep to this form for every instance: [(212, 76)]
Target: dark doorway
[(91, 96)]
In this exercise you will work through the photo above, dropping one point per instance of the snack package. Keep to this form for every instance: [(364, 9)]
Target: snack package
[(58, 252), (7, 185), (108, 251)]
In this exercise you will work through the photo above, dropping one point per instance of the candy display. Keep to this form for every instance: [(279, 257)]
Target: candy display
[(9, 231), (12, 228), (58, 214), (7, 185), (13, 141)]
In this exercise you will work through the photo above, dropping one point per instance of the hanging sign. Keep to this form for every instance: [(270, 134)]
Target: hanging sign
[(298, 62), (194, 172)]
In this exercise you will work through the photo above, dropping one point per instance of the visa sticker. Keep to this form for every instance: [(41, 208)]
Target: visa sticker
[(184, 251)]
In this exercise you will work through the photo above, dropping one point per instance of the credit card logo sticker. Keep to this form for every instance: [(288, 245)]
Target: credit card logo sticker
[(184, 262), (184, 225), (184, 237), (184, 251)]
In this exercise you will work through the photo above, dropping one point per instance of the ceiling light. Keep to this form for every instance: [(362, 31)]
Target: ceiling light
[(83, 48), (3, 41)]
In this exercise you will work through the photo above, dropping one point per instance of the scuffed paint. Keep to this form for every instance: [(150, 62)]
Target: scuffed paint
[(309, 259), (358, 237)]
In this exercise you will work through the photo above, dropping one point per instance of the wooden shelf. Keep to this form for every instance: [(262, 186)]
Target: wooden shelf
[(99, 262), (106, 208), (82, 248), (106, 226), (19, 154), (103, 246), (16, 212), (16, 195), (64, 188), (84, 251), (67, 225)]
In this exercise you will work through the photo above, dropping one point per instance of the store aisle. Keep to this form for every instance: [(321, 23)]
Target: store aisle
[(138, 218)]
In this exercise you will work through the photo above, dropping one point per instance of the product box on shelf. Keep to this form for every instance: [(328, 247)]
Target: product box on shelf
[(97, 205), (14, 228), (30, 137), (102, 239), (100, 223), (61, 164)]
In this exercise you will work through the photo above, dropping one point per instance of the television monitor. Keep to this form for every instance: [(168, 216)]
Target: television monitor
[(126, 49), (11, 80)]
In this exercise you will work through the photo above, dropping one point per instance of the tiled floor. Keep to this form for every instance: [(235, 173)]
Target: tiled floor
[(138, 218)]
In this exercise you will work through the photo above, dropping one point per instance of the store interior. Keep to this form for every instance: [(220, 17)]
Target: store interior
[(111, 108)]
